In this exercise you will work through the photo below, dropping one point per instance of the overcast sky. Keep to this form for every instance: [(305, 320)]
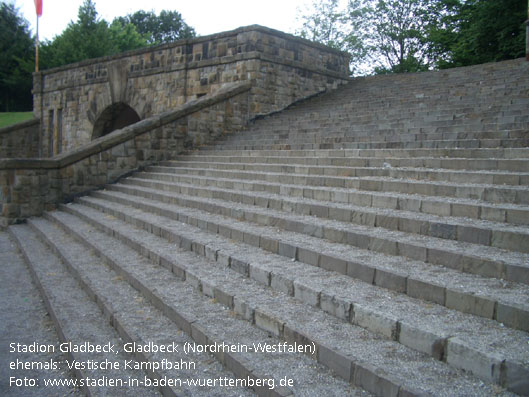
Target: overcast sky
[(207, 17)]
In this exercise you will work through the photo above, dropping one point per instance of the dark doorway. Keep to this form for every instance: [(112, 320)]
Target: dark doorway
[(114, 117)]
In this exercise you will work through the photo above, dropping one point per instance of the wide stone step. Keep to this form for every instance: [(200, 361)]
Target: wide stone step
[(460, 229), (338, 103), (406, 126), (332, 132), (385, 170), (292, 320), (458, 164), (421, 106), (147, 301), (466, 257), (361, 138), (433, 144), (79, 322), (490, 298), (474, 209), (325, 132), (199, 313), (439, 109), (24, 321), (497, 153), (406, 99), (186, 310), (467, 124), (336, 111), (488, 193)]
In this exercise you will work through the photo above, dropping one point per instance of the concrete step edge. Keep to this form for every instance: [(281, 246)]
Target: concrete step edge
[(348, 212), (466, 234), (500, 166), (326, 354), (392, 135), (186, 324), (194, 326), (401, 331), (427, 205), (470, 144), (498, 153), (467, 301), (337, 131), (488, 193), (85, 307), (385, 170)]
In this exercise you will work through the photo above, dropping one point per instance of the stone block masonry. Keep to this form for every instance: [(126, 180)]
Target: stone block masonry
[(244, 73), (30, 186), (20, 140), (70, 100), (384, 224)]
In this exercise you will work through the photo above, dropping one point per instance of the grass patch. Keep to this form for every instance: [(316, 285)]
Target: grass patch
[(10, 118)]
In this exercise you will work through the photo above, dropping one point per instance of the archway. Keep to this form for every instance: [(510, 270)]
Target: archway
[(114, 117)]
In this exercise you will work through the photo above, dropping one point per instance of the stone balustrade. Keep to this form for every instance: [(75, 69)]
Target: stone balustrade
[(72, 100), (20, 140), (30, 186)]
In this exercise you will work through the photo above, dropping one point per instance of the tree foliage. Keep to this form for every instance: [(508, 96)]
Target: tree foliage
[(89, 37), (488, 31), (17, 60), (157, 29), (396, 37), (92, 37), (325, 22), (387, 36)]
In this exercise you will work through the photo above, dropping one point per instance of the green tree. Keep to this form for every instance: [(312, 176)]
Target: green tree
[(397, 39), (442, 32), (86, 38), (488, 31), (324, 22), (17, 60), (125, 38), (381, 35), (157, 29), (89, 37), (386, 36)]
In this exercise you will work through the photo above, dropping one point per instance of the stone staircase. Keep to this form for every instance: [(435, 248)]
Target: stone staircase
[(382, 228)]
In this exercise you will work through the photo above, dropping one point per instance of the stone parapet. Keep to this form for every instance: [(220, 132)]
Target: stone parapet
[(282, 69), (20, 140), (30, 186)]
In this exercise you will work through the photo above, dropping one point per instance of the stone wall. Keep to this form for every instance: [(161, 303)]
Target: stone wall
[(20, 140), (30, 186), (281, 68)]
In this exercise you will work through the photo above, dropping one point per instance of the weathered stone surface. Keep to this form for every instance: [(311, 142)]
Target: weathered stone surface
[(483, 365), (140, 80), (20, 140), (382, 287), (46, 182)]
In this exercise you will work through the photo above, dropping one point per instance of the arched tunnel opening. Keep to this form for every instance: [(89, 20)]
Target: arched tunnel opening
[(114, 117)]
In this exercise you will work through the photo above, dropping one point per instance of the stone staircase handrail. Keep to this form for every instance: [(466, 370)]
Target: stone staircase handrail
[(28, 186)]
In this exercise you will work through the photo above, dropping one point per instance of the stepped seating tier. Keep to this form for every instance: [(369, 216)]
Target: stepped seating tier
[(385, 223)]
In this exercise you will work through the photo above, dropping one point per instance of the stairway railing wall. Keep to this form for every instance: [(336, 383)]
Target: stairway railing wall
[(31, 186)]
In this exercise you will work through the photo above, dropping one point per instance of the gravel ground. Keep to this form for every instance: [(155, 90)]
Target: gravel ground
[(24, 320)]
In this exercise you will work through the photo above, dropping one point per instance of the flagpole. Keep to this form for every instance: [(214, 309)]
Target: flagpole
[(527, 34), (38, 9), (37, 47)]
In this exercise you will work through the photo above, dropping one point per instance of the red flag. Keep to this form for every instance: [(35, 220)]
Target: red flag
[(38, 6)]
